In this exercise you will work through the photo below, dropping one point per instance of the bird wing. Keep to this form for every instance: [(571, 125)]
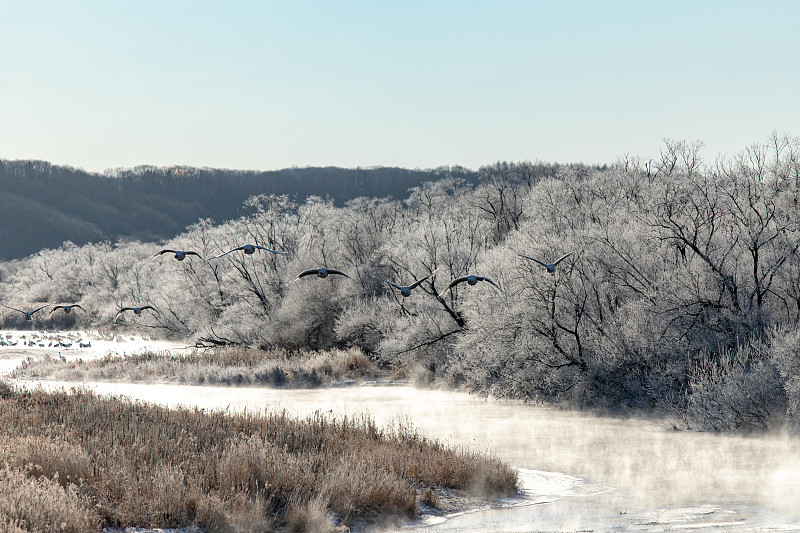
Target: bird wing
[(194, 253), (305, 273), (562, 258), (57, 307), (14, 308), (484, 278), (162, 252), (332, 271), (395, 285), (416, 283), (452, 284), (39, 308), (534, 259), (148, 307), (270, 250), (79, 307), (226, 253)]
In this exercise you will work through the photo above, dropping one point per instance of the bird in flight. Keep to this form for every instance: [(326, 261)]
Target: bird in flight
[(28, 314), (321, 272), (551, 267), (405, 290), (136, 310), (67, 308), (180, 255), (250, 249), (472, 280)]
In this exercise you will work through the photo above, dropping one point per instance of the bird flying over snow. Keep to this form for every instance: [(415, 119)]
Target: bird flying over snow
[(405, 290), (136, 310), (472, 280), (180, 255), (250, 249), (67, 308), (28, 314), (320, 272), (551, 267)]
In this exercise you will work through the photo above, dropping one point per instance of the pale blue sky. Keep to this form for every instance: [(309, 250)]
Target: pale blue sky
[(267, 85)]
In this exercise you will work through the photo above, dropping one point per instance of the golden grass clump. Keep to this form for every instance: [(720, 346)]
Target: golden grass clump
[(40, 504), (227, 365), (115, 462)]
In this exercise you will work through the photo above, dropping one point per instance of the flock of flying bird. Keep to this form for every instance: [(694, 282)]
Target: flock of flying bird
[(323, 272)]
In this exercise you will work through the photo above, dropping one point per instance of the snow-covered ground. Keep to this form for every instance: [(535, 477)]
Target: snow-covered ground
[(578, 471)]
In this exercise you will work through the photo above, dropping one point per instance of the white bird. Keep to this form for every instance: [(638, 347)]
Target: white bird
[(250, 249), (472, 280), (405, 290), (551, 267), (180, 255), (321, 272), (67, 308), (136, 310), (28, 314)]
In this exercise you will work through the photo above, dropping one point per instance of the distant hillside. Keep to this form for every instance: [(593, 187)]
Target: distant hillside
[(42, 205)]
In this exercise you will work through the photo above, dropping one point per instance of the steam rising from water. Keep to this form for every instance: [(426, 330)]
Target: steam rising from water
[(579, 471)]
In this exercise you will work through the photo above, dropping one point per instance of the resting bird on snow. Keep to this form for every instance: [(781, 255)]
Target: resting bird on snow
[(551, 267), (67, 308), (250, 249), (405, 290), (472, 280), (321, 272), (136, 310), (180, 255), (28, 314)]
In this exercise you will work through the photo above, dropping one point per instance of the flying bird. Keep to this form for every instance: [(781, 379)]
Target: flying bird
[(28, 314), (551, 267), (136, 310), (180, 255), (321, 272), (250, 249), (405, 290), (472, 280), (67, 308)]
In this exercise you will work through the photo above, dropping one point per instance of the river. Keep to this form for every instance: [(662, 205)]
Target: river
[(579, 471)]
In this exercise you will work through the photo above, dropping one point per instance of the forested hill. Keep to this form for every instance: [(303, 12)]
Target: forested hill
[(42, 205)]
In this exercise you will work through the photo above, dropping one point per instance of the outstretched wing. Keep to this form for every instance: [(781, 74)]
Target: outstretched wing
[(194, 253), (276, 252), (452, 284), (395, 285), (148, 307), (332, 271), (229, 251), (162, 252), (534, 259), (14, 308), (562, 258), (416, 283), (304, 274), (484, 278)]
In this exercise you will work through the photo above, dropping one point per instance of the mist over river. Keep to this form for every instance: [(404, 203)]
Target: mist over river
[(579, 471)]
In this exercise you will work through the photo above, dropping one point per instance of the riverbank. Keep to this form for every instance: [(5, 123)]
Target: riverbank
[(214, 366), (82, 462)]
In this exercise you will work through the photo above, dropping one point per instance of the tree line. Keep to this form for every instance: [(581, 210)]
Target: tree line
[(682, 292), (44, 205)]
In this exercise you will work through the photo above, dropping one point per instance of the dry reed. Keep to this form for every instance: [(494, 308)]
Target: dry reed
[(227, 366), (104, 461)]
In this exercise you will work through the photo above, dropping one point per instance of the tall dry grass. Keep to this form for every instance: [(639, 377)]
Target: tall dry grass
[(229, 366), (104, 461)]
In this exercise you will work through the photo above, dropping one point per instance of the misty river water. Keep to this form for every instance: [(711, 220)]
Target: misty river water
[(579, 471)]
